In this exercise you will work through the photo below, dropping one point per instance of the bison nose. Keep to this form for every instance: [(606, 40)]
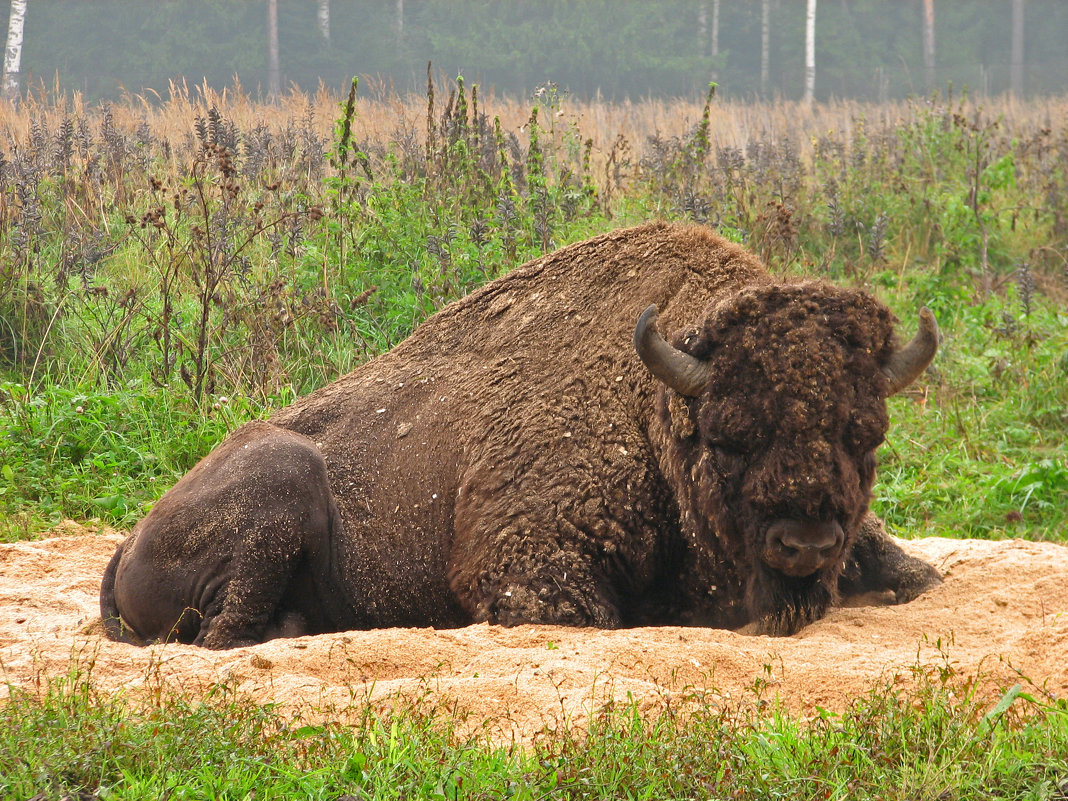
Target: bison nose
[(800, 548)]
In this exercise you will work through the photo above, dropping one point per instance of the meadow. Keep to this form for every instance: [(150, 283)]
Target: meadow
[(173, 266)]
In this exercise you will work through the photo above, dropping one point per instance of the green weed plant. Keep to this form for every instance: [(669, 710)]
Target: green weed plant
[(144, 277)]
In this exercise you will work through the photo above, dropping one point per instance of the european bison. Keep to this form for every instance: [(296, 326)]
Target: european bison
[(519, 460)]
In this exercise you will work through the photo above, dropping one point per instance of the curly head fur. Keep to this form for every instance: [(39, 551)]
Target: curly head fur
[(785, 429)]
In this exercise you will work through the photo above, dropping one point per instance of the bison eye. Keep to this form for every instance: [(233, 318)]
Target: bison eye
[(725, 447), (864, 438)]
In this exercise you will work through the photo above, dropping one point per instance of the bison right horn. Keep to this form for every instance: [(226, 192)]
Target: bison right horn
[(905, 365), (682, 372)]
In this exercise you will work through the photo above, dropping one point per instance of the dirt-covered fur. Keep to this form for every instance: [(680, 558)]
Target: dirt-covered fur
[(529, 455)]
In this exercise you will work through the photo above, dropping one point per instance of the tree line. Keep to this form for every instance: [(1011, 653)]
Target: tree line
[(868, 49)]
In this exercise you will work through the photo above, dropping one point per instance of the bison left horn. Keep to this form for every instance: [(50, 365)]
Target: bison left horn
[(905, 365), (682, 372)]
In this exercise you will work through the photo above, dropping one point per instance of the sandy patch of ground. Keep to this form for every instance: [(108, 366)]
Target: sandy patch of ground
[(1003, 608)]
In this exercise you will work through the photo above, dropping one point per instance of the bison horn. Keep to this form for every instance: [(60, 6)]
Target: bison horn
[(905, 365), (682, 372)]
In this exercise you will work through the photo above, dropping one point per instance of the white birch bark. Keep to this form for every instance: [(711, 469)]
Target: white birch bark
[(13, 52), (715, 39), (765, 45), (702, 27), (324, 19), (1017, 76), (274, 71), (810, 52)]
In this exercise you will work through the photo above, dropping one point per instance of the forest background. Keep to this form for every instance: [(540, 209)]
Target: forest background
[(864, 49)]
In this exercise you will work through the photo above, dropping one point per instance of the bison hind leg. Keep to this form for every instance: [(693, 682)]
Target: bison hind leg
[(286, 521), (286, 624), (253, 608)]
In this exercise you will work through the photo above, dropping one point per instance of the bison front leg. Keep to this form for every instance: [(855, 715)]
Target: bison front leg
[(557, 589), (513, 576), (877, 564)]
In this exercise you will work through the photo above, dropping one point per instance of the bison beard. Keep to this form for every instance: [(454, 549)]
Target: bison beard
[(781, 604), (530, 455)]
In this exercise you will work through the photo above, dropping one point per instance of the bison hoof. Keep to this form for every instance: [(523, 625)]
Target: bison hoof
[(220, 640), (520, 604), (917, 577)]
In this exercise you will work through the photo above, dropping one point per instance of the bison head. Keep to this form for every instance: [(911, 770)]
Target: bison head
[(773, 410)]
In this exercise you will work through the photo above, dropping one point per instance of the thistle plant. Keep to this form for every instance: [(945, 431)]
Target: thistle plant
[(877, 237)]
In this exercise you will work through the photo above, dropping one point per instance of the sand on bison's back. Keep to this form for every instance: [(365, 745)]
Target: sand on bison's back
[(1002, 612)]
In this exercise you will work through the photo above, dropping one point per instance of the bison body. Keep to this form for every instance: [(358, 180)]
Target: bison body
[(529, 455)]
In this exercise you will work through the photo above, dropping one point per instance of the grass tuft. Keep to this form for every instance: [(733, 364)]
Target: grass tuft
[(926, 734)]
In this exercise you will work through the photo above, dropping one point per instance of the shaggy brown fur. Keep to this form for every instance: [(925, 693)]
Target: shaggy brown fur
[(514, 461), (786, 429)]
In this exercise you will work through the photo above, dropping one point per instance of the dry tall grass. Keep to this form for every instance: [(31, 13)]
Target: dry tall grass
[(732, 123)]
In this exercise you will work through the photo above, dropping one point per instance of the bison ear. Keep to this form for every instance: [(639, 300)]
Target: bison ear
[(682, 372), (905, 365)]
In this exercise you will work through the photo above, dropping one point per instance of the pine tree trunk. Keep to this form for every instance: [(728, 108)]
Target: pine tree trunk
[(929, 42)]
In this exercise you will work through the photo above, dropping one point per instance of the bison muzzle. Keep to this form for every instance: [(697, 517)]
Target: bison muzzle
[(531, 455)]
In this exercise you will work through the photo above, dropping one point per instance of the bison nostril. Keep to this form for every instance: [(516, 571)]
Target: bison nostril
[(811, 541), (800, 548)]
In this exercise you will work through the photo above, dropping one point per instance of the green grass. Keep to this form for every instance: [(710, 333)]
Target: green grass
[(938, 739), (87, 453), (979, 448)]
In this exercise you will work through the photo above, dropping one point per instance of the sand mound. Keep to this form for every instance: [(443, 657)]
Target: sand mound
[(1002, 611)]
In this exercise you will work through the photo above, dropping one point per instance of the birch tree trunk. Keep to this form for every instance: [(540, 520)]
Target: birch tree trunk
[(715, 40), (702, 27), (400, 19), (274, 72), (929, 43), (765, 45), (1017, 77), (324, 19), (810, 52), (13, 52)]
